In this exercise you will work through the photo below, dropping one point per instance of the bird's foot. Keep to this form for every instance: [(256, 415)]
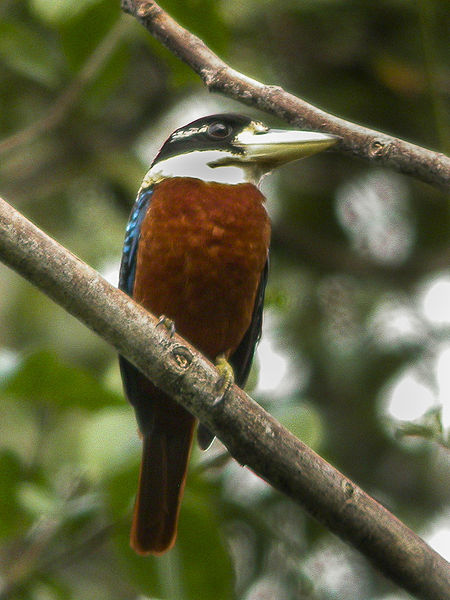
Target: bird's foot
[(226, 379), (168, 324)]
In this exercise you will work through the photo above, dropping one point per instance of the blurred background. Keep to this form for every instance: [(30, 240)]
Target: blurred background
[(355, 356)]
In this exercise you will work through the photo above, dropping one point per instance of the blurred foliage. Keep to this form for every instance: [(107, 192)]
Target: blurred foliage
[(354, 251)]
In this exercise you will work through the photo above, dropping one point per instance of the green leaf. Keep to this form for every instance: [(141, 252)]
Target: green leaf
[(204, 563), (39, 500), (303, 421), (11, 475), (22, 50), (108, 442), (81, 35), (428, 427), (44, 378), (55, 12), (203, 18), (109, 78)]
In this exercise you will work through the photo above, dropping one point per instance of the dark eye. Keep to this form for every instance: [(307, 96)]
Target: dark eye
[(219, 130)]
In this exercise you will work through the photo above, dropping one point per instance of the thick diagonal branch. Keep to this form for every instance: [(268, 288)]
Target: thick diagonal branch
[(377, 147), (252, 436)]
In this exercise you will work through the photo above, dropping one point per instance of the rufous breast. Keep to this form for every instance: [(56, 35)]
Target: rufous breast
[(202, 249)]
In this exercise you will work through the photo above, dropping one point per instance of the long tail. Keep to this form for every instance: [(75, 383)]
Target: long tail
[(161, 484)]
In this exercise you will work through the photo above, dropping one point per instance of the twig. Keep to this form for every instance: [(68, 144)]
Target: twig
[(251, 435), (65, 102), (431, 167), (56, 561), (34, 551)]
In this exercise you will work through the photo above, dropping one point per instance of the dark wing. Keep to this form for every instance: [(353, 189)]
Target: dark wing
[(131, 377), (131, 243), (241, 359)]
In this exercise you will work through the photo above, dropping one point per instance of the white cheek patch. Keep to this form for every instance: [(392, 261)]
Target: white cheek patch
[(204, 165)]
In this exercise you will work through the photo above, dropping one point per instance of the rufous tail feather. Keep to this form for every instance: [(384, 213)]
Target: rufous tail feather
[(162, 478)]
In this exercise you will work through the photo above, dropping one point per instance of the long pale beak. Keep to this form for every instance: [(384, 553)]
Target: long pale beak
[(275, 147)]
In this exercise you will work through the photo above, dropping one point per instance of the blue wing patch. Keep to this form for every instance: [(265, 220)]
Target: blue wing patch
[(241, 359), (131, 377), (131, 243)]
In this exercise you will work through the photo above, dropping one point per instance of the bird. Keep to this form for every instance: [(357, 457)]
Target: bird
[(196, 253)]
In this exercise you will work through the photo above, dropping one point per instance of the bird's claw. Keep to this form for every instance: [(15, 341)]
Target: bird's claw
[(225, 381), (168, 324)]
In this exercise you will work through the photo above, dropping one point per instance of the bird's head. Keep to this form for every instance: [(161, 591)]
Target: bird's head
[(231, 148)]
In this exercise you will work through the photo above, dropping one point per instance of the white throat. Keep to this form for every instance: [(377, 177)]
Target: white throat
[(204, 165)]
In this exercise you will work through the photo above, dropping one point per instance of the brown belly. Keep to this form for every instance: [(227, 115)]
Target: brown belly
[(202, 250)]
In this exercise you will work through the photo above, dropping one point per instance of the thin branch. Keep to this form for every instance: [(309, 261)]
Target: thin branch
[(66, 101), (30, 554), (251, 435), (374, 146), (50, 563)]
